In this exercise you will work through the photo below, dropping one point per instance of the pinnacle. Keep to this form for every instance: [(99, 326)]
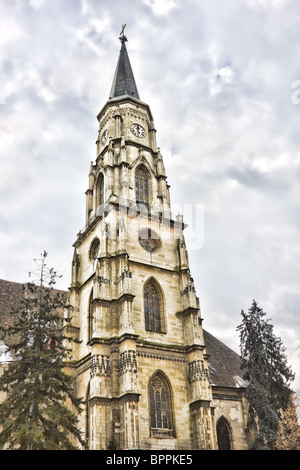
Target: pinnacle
[(123, 82)]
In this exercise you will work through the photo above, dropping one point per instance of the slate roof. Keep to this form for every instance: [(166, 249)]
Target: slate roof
[(224, 363), (10, 297), (123, 82)]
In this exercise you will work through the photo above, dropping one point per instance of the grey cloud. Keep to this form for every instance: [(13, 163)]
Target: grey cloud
[(255, 179), (217, 143)]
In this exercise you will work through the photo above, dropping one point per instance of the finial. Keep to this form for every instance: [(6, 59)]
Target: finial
[(122, 37)]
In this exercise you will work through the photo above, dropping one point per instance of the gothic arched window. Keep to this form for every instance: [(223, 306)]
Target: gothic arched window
[(100, 191), (160, 407), (142, 178), (223, 434), (152, 307), (94, 249), (90, 316)]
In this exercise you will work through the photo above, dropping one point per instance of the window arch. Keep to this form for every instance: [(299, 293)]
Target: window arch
[(153, 307), (160, 400), (118, 126), (224, 434), (100, 191), (142, 187), (93, 253), (90, 316)]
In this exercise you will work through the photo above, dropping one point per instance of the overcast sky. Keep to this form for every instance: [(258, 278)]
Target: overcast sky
[(222, 80)]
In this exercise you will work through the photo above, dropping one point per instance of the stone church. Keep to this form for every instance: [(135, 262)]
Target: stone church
[(151, 376)]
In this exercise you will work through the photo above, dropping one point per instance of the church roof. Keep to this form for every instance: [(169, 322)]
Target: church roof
[(10, 298), (224, 363), (10, 295), (123, 82)]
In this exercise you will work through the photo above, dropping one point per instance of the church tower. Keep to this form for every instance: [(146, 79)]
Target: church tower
[(141, 363)]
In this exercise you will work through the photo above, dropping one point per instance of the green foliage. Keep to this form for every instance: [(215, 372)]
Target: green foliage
[(34, 414), (264, 363)]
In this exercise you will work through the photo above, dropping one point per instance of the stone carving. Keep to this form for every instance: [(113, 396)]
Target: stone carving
[(104, 280), (100, 366), (161, 357), (128, 362), (197, 371)]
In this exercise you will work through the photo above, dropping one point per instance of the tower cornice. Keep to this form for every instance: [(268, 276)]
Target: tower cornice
[(114, 102), (130, 142)]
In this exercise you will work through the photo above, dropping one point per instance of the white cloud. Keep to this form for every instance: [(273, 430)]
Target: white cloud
[(10, 31), (268, 4), (218, 77), (221, 79), (161, 7), (37, 4)]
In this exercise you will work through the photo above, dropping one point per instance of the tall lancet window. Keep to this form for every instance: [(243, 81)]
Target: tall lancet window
[(91, 316), (160, 407), (223, 434), (152, 307), (100, 191), (142, 179)]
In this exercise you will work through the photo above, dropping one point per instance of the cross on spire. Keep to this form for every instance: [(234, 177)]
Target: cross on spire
[(122, 37)]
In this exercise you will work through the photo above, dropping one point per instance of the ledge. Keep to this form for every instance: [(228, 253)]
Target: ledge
[(114, 339)]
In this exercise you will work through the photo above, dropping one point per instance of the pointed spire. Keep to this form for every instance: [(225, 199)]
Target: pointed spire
[(123, 83)]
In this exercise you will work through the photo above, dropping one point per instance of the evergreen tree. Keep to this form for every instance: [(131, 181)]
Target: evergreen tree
[(264, 363), (34, 414)]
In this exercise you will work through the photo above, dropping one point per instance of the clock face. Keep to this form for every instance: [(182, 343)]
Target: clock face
[(104, 137), (149, 240), (138, 130)]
